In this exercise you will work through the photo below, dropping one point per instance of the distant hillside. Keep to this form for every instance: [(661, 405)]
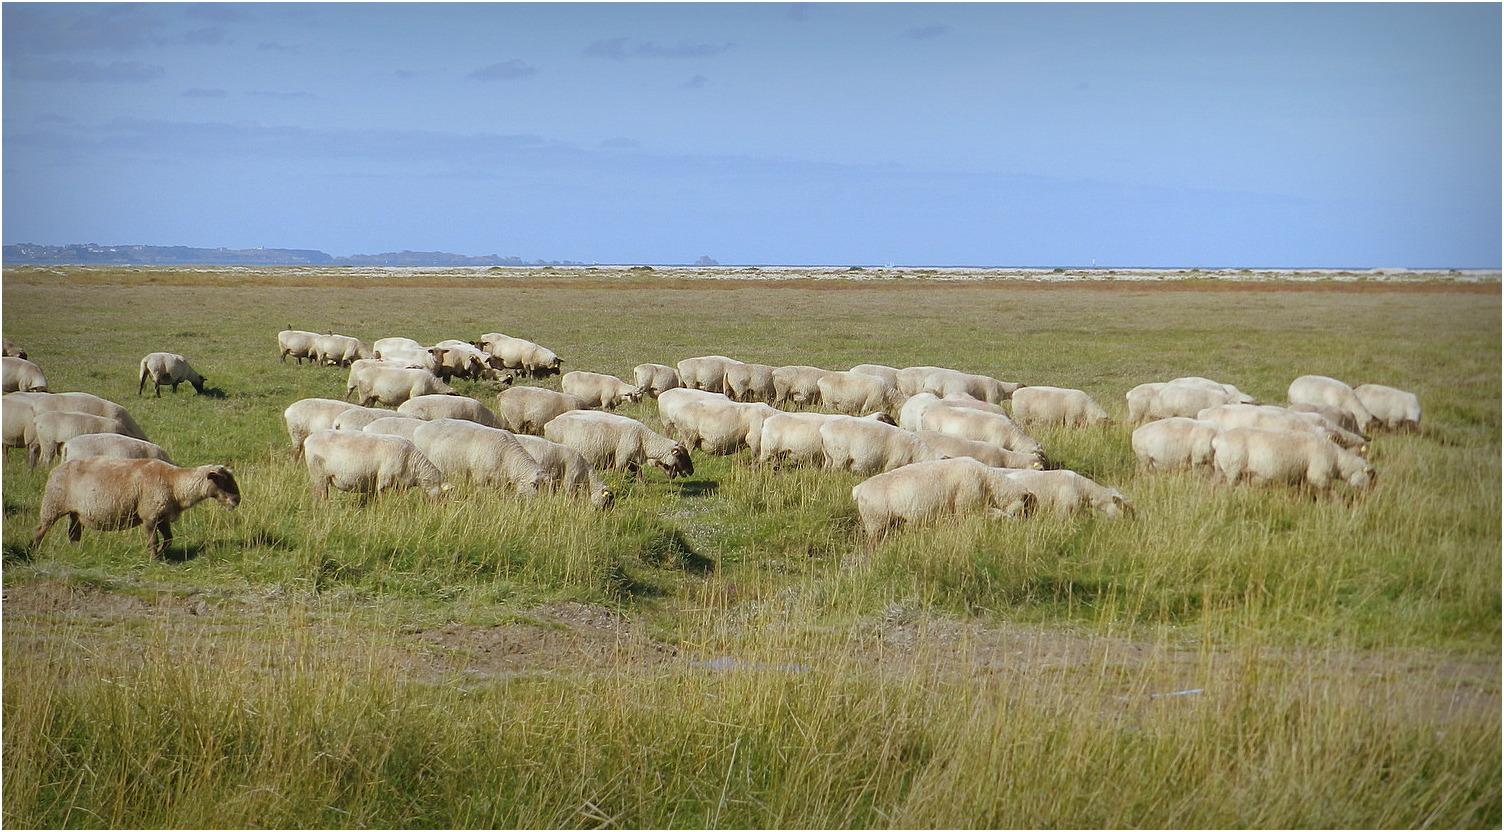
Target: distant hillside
[(84, 254)]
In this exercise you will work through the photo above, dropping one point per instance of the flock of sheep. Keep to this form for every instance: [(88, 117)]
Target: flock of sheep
[(933, 441)]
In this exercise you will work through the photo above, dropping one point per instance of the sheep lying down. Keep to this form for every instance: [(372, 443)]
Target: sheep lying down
[(117, 494)]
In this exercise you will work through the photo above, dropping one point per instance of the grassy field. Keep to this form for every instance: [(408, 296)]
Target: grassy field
[(722, 651)]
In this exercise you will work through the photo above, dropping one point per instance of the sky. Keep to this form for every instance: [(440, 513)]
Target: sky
[(1210, 135)]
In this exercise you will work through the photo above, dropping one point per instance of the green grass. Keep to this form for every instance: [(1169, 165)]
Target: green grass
[(974, 674)]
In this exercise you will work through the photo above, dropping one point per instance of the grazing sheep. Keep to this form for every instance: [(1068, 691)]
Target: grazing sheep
[(1176, 442), (713, 423), (11, 349), (394, 385), (1272, 417), (968, 423), (858, 393), (307, 416), (983, 452), (17, 419), (1330, 391), (113, 445), (618, 443), (1183, 400), (403, 426), (653, 379), (1395, 409), (419, 358), (943, 381), (598, 389), (361, 367), (485, 456), (465, 360), (17, 375), (1237, 396), (749, 383), (168, 368), (882, 371), (441, 406), (381, 346), (528, 409), (864, 446), (794, 438), (1336, 415), (51, 428), (1297, 457), (705, 372), (567, 469), (116, 494), (520, 354), (1142, 401), (357, 417), (339, 350), (1068, 492), (927, 491), (1044, 405), (368, 463), (798, 384), (84, 403), (297, 343)]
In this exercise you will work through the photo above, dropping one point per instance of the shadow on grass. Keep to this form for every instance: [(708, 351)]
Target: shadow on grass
[(698, 488), (16, 552)]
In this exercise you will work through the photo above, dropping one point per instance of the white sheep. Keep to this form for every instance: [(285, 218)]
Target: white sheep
[(705, 372), (77, 402), (653, 379), (51, 428), (116, 494), (882, 371), (17, 419), (1393, 408), (338, 349), (969, 423), (403, 426), (1295, 457), (11, 349), (1330, 391), (797, 384), (794, 438), (983, 452), (113, 445), (924, 492), (943, 381), (521, 354), (1068, 492), (307, 416), (1142, 400), (489, 457), (441, 406), (1273, 417), (528, 409), (715, 424), (361, 367), (618, 443), (749, 383), (854, 393), (368, 463), (395, 385), (1237, 396), (464, 359), (167, 368), (1176, 442), (598, 389), (405, 357), (1044, 405), (1184, 400), (20, 375), (297, 343), (568, 470), (356, 417), (381, 346), (864, 446), (1336, 415)]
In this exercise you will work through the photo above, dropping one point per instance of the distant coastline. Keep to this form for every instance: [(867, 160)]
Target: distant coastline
[(92, 254)]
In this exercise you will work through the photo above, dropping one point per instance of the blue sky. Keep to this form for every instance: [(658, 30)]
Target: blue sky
[(1002, 134)]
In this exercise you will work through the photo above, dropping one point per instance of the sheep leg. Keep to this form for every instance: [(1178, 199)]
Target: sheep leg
[(43, 527), (158, 537)]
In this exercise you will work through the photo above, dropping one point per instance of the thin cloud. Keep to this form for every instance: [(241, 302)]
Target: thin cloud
[(925, 32), (43, 28), (695, 83), (620, 49), (197, 92), (276, 94), (89, 72), (273, 46), (512, 70), (799, 11)]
